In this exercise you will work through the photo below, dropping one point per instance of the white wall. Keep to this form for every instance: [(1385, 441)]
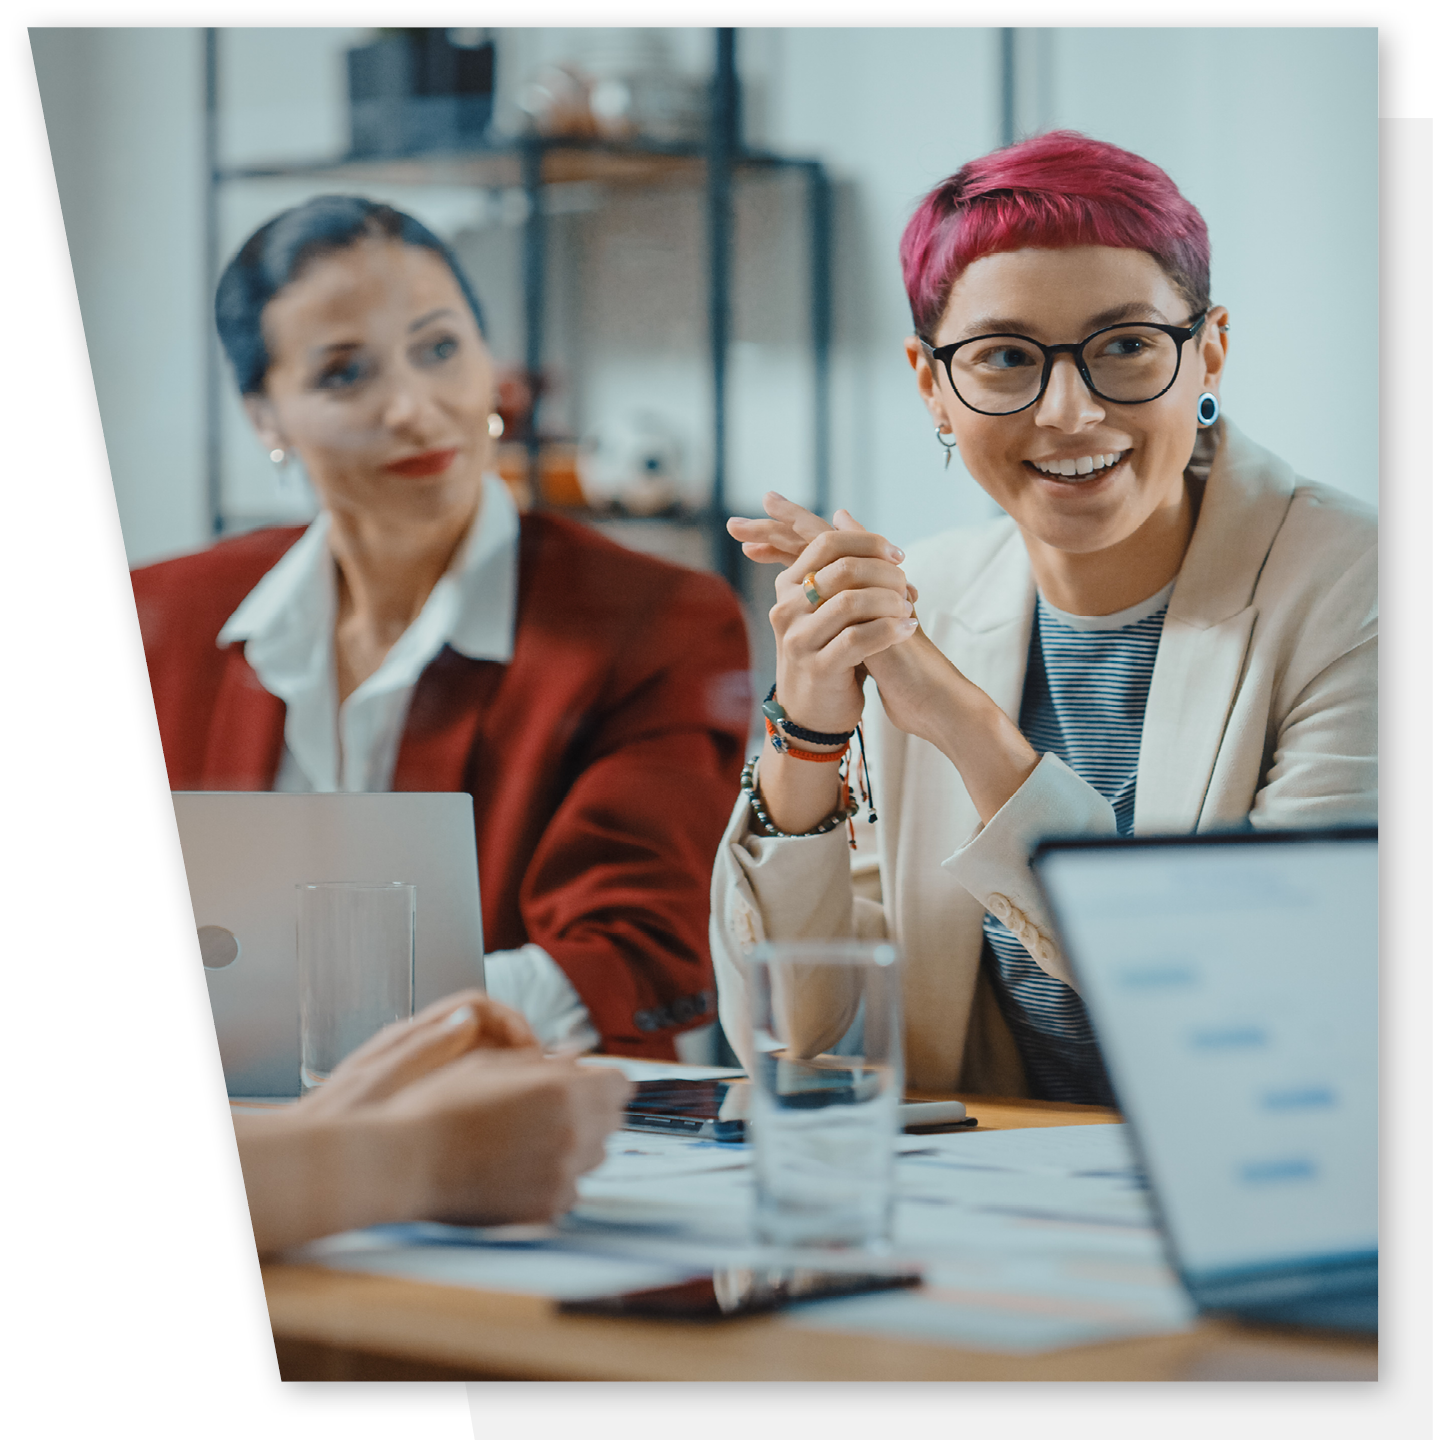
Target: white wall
[(1271, 133), (122, 111)]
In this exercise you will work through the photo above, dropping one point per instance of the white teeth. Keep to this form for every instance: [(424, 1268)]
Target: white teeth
[(1085, 465)]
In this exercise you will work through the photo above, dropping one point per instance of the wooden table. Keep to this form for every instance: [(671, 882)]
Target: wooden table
[(331, 1325)]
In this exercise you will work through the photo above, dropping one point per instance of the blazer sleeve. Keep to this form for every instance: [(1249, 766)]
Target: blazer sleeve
[(1322, 768), (994, 864), (617, 888), (768, 887)]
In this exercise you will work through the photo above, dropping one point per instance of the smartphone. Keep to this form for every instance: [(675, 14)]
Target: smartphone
[(716, 1110), (732, 1291), (702, 1109)]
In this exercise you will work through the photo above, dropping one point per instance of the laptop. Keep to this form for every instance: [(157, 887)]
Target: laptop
[(1232, 981), (244, 854)]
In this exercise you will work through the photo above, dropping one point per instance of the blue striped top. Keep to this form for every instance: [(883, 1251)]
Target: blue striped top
[(1086, 684)]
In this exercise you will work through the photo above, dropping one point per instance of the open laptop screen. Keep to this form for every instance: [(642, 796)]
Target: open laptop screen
[(1232, 982)]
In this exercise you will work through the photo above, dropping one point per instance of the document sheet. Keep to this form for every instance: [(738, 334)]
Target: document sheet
[(1031, 1239)]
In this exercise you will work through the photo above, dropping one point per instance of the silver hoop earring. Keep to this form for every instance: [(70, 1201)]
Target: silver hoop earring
[(940, 436), (1207, 410)]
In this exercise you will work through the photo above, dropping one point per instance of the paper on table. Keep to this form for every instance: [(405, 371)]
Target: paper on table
[(1059, 1150), (634, 1156), (1031, 1239), (559, 1272), (1058, 1201), (1084, 1175), (655, 1070)]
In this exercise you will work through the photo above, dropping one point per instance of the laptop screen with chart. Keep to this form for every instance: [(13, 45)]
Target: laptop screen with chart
[(1233, 985)]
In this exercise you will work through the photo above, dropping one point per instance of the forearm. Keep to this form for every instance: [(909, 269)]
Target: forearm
[(926, 696), (305, 1178), (982, 742), (797, 794)]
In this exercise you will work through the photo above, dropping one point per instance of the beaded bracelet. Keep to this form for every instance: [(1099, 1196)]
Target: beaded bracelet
[(773, 711), (849, 806)]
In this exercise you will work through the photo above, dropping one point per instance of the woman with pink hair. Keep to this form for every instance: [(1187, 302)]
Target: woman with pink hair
[(1167, 630)]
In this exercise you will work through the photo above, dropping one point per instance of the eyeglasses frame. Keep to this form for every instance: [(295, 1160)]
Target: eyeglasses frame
[(1178, 333)]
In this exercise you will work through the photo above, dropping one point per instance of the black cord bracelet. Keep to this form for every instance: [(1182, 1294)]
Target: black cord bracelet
[(778, 716)]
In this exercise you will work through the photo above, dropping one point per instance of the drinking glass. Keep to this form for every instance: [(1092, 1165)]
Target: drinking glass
[(826, 1086), (355, 961)]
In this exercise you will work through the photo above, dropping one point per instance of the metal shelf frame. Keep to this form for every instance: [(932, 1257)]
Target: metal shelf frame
[(536, 161)]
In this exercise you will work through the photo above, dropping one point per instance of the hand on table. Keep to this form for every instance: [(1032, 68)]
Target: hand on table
[(402, 1052), (507, 1133), (453, 1115)]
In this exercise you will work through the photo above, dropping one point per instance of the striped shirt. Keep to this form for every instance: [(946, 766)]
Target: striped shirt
[(1086, 684)]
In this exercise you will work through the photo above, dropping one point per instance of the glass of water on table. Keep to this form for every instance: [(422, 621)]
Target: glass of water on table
[(356, 944), (826, 1089)]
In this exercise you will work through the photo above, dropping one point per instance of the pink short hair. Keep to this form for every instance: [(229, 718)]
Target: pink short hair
[(1050, 192)]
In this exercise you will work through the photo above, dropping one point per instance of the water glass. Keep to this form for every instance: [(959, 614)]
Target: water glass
[(355, 961), (826, 1049)]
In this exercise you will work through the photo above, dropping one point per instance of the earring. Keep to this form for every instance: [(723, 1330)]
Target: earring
[(495, 425), (1207, 410), (279, 457), (940, 435)]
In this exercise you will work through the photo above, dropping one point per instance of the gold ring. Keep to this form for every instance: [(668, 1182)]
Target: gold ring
[(808, 584)]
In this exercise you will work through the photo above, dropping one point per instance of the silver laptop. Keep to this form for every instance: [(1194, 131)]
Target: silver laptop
[(245, 852), (1232, 981)]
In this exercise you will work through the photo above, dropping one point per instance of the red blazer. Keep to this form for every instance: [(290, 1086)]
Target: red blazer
[(603, 760)]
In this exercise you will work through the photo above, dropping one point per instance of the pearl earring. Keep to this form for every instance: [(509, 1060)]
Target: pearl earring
[(495, 425), (279, 457)]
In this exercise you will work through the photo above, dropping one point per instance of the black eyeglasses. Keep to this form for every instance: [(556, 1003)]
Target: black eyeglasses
[(1124, 364)]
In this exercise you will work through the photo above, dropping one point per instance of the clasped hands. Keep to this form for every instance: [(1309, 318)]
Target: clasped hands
[(866, 624), (453, 1115)]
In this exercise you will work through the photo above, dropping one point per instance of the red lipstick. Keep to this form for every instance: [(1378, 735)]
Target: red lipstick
[(430, 462)]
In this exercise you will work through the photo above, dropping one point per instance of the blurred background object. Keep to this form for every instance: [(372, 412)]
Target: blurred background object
[(637, 92), (633, 465), (619, 85), (558, 101), (411, 91)]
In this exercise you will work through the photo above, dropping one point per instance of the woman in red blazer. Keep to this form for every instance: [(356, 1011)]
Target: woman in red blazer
[(421, 635)]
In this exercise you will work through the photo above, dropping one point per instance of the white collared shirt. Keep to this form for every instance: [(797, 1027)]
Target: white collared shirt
[(287, 625)]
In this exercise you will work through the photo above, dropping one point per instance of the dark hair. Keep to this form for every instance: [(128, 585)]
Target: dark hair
[(277, 253)]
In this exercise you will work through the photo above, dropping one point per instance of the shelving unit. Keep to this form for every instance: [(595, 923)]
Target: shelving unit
[(535, 162)]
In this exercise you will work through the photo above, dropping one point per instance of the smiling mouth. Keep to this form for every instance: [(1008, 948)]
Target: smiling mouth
[(1079, 471), (431, 462)]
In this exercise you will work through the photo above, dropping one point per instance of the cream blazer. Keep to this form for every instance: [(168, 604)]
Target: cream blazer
[(1262, 706)]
